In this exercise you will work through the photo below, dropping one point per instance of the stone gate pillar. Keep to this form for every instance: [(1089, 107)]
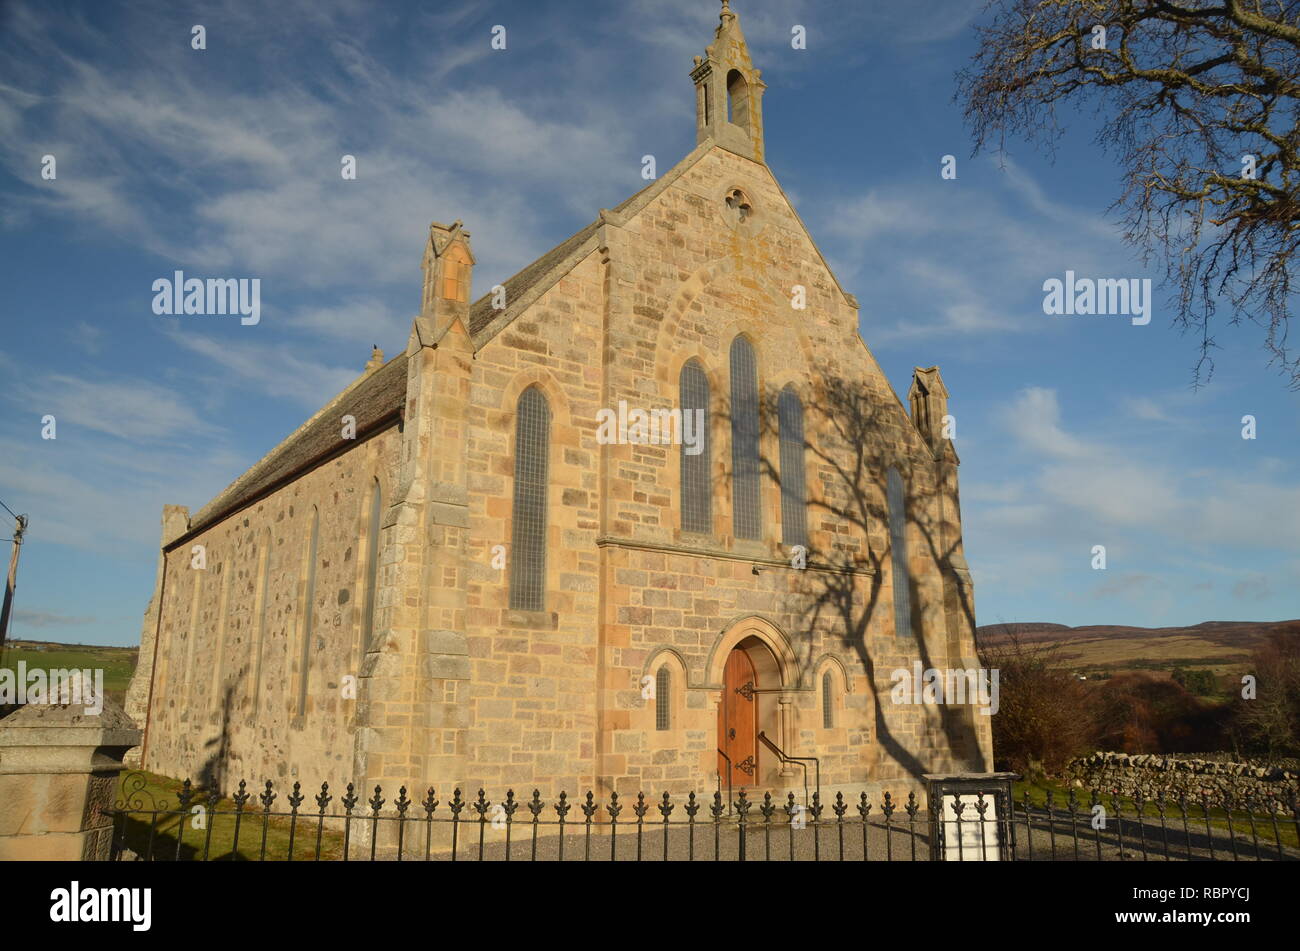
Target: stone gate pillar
[(59, 767)]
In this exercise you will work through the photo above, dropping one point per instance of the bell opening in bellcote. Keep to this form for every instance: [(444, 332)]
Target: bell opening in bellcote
[(729, 91)]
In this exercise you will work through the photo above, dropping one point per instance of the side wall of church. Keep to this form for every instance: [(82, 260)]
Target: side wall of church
[(214, 713)]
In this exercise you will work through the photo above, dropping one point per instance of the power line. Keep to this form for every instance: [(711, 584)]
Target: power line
[(8, 509)]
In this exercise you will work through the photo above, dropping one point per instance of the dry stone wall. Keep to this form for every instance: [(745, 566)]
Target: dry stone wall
[(1146, 774)]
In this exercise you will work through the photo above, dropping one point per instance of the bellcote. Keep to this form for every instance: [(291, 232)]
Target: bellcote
[(929, 399), (448, 274), (729, 91)]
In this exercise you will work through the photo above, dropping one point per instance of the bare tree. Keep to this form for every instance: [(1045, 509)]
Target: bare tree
[(1198, 101), (1269, 724), (1044, 717)]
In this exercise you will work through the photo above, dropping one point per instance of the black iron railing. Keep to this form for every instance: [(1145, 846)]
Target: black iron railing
[(800, 761), (258, 827)]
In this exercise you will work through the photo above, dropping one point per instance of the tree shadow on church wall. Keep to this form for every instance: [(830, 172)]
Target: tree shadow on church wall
[(844, 430)]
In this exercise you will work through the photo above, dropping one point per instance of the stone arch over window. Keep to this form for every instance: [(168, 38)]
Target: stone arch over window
[(528, 534), (794, 496), (665, 668), (896, 497), (374, 519), (308, 610), (746, 466), (738, 99), (679, 320), (696, 478)]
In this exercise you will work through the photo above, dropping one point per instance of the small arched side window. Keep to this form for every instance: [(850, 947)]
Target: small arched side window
[(528, 539), (663, 698), (828, 701), (697, 487)]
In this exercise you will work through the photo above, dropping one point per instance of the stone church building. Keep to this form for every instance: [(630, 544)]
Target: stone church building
[(452, 575)]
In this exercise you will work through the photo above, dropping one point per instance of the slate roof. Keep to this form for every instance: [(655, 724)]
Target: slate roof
[(482, 313), (376, 400)]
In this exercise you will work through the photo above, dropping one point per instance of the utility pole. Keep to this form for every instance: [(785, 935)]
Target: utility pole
[(19, 527)]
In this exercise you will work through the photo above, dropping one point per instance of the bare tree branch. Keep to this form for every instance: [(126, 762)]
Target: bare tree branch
[(1200, 103)]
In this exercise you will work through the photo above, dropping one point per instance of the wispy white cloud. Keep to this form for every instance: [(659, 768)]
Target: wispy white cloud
[(1164, 527), (275, 370), (42, 619), (948, 238), (130, 409)]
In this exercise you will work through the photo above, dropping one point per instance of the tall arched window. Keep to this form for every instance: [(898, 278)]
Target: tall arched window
[(828, 701), (663, 698), (697, 488), (308, 611), (528, 538), (897, 499), (372, 565), (746, 506), (794, 515), (263, 607)]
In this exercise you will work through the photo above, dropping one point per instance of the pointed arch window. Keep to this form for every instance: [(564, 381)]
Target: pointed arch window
[(528, 555), (697, 488), (372, 564), (794, 507), (746, 480), (663, 698), (828, 701), (897, 500)]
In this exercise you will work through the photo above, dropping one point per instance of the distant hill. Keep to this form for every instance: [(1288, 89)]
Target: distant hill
[(118, 663), (1222, 646)]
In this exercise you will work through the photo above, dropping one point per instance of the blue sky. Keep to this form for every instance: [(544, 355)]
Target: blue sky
[(1073, 431)]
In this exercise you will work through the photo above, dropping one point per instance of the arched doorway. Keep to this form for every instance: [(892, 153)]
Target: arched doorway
[(751, 685)]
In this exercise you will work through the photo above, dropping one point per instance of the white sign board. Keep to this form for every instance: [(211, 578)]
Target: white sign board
[(969, 829)]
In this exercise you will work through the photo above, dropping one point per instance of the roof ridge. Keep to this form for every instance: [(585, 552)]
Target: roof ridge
[(253, 479)]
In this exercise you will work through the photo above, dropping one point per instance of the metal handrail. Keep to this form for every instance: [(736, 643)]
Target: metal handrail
[(798, 761), (728, 759)]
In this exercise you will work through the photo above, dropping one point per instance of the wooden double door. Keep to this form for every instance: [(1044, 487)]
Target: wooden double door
[(738, 722)]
